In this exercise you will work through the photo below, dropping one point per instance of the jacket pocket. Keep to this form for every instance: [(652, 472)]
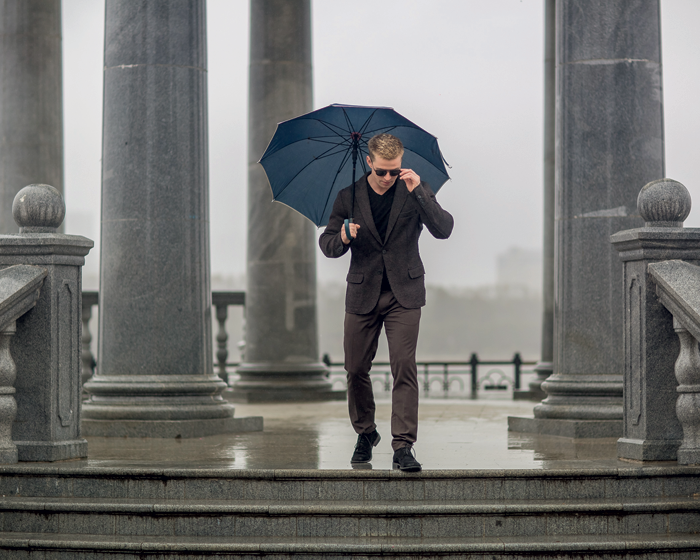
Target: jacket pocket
[(416, 271), (408, 214), (355, 278)]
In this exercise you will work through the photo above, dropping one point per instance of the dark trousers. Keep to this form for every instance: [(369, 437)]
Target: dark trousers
[(360, 342)]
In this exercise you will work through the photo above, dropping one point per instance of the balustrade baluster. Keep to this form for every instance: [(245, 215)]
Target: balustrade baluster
[(8, 404), (86, 356), (222, 340), (687, 372)]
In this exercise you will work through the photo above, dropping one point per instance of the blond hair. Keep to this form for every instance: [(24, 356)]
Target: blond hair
[(386, 146)]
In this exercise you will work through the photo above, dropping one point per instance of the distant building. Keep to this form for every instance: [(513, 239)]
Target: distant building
[(519, 269)]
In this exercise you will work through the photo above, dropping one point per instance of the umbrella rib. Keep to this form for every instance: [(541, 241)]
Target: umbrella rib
[(340, 167), (330, 126), (333, 153), (363, 130), (324, 154), (327, 142), (347, 120), (382, 128)]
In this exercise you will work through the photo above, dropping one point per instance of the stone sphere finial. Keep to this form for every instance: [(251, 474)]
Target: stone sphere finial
[(38, 209), (664, 203)]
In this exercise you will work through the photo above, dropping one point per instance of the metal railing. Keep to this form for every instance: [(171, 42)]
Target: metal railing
[(449, 378), (437, 378)]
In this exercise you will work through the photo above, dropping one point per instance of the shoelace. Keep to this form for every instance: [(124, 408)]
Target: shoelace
[(359, 442)]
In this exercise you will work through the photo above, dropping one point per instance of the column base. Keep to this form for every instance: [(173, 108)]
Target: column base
[(689, 456), (281, 396), (566, 428), (529, 395), (274, 383), (648, 450), (51, 450), (8, 455), (170, 428)]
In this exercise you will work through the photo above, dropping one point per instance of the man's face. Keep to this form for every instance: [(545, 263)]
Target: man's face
[(380, 164)]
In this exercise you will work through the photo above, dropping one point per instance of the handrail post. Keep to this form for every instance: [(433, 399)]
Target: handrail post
[(474, 363), (517, 362)]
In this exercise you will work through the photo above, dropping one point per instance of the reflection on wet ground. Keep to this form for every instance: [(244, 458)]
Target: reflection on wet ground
[(452, 435)]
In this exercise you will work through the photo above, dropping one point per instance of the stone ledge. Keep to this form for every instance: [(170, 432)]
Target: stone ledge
[(51, 451), (547, 547), (647, 450), (170, 428), (285, 395), (566, 428)]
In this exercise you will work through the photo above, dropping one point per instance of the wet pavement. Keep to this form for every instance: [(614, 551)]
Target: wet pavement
[(453, 434)]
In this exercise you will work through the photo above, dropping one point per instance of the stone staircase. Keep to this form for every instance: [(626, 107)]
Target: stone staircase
[(80, 512)]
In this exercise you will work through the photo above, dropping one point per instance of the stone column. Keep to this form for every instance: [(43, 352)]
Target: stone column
[(155, 374), (281, 359), (545, 366), (609, 140), (31, 102)]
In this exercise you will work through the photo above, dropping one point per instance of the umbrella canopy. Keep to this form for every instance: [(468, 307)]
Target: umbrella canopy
[(310, 158)]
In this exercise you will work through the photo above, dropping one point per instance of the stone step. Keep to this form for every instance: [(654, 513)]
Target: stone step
[(366, 486), (295, 519), (28, 546)]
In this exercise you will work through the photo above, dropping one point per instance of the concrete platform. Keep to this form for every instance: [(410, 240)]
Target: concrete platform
[(453, 434)]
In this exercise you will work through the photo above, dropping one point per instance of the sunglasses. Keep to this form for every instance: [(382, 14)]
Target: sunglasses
[(392, 172)]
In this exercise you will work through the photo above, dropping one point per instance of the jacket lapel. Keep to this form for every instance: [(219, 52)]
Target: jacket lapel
[(362, 203), (399, 200)]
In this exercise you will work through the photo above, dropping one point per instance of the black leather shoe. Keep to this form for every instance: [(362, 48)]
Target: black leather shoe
[(404, 460), (363, 447)]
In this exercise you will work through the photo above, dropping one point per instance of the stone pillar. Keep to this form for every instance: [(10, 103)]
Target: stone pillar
[(652, 431), (31, 103), (609, 140), (46, 346), (281, 359), (545, 366), (155, 374)]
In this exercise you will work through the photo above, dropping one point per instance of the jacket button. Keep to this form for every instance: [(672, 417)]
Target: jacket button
[(379, 272), (383, 251)]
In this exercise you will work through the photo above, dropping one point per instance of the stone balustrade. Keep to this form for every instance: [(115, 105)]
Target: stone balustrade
[(677, 284), (40, 303), (661, 317), (221, 301)]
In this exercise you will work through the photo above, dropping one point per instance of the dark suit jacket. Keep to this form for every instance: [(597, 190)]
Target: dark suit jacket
[(398, 251)]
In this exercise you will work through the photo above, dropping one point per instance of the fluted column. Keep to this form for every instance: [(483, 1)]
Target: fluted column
[(155, 373), (608, 140), (281, 359), (31, 100), (609, 132)]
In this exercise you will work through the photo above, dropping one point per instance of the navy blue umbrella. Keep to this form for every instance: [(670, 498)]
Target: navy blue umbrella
[(312, 157)]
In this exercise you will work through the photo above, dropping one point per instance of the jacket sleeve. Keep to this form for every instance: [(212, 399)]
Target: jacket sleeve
[(438, 221), (330, 241)]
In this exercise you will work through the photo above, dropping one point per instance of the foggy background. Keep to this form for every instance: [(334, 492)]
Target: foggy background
[(468, 71)]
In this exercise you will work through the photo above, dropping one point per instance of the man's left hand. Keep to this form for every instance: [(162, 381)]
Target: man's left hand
[(411, 179)]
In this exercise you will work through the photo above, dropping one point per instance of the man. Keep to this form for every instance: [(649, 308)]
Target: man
[(385, 288)]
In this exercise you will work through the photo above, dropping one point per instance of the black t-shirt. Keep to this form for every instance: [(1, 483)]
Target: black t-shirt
[(381, 208)]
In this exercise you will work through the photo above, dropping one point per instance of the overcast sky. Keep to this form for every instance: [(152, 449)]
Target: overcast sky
[(468, 71)]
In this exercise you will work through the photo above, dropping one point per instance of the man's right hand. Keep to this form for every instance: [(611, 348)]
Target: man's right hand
[(353, 233)]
